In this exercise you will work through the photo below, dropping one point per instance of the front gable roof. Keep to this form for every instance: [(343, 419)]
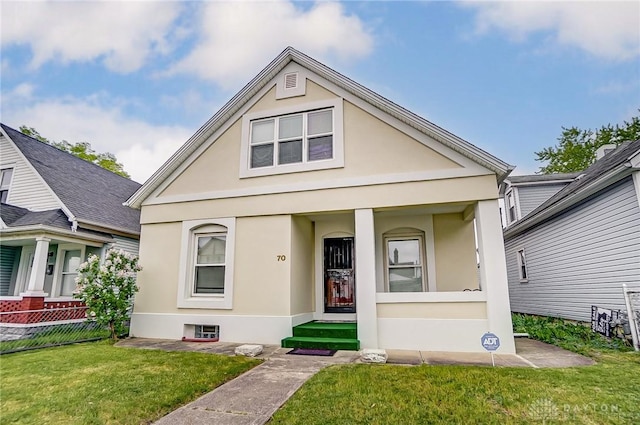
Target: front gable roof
[(93, 195), (607, 170), (477, 155)]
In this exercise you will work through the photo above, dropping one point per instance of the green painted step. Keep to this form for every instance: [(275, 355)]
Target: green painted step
[(329, 335), (319, 342), (327, 330)]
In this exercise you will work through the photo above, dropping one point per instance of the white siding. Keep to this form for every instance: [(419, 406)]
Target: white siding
[(27, 190), (580, 258), (126, 244), (531, 197)]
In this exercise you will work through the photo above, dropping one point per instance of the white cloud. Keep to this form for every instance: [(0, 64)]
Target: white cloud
[(121, 34), (237, 38), (140, 146), (609, 30)]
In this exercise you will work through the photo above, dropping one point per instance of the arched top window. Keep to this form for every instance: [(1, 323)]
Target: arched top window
[(405, 260), (206, 277)]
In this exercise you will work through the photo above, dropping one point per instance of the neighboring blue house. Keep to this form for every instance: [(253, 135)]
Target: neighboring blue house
[(577, 247)]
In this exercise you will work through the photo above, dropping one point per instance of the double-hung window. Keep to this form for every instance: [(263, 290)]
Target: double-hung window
[(405, 263), (511, 207), (209, 267), (70, 263), (5, 183), (206, 264), (292, 139), (522, 266)]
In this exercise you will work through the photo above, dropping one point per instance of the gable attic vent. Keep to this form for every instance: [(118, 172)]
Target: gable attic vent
[(291, 80)]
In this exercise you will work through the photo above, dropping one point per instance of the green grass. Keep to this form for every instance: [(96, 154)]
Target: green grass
[(97, 383), (607, 393)]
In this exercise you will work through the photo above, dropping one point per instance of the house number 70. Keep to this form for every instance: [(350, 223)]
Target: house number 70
[(281, 257)]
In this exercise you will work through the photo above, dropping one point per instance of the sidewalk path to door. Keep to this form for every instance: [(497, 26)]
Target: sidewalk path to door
[(253, 397)]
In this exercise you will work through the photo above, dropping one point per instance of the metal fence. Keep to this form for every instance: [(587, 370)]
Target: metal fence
[(632, 300), (49, 327)]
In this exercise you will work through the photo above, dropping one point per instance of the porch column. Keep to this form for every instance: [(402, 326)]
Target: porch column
[(493, 273), (366, 279), (35, 286)]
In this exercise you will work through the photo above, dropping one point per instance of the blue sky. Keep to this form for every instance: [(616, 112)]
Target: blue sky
[(139, 78)]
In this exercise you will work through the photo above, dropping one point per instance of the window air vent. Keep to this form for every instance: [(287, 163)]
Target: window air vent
[(291, 80)]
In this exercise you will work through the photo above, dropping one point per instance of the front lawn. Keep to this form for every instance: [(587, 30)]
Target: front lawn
[(607, 393), (97, 383)]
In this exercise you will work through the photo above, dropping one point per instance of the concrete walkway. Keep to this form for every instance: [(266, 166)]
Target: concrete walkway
[(253, 397)]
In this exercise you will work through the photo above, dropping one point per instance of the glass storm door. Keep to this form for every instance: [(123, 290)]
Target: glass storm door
[(339, 280)]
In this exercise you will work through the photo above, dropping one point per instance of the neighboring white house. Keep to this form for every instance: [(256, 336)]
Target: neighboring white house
[(310, 197), (576, 248), (55, 210)]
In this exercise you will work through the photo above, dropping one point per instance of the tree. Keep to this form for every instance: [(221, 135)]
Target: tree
[(577, 148), (82, 150), (108, 289)]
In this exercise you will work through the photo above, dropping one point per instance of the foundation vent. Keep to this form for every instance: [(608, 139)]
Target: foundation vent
[(207, 331)]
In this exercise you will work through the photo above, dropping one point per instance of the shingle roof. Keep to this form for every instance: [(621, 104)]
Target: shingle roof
[(14, 216), (599, 168), (90, 192)]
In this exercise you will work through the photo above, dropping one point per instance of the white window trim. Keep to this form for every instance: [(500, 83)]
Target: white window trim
[(282, 92), (186, 298), (195, 264), (338, 143), (511, 194), (8, 187), (520, 264), (56, 286), (391, 236)]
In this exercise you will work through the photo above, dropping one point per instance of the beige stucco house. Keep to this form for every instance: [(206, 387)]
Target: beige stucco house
[(310, 197)]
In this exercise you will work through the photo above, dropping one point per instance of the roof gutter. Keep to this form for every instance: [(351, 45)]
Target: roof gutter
[(41, 228), (615, 174), (109, 229)]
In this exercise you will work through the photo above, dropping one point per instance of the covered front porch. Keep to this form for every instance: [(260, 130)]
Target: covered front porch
[(39, 266), (426, 277)]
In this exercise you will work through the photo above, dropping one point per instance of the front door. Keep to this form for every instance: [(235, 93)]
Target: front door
[(339, 279)]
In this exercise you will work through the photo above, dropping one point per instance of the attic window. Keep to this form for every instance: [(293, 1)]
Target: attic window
[(292, 139), (297, 138), (291, 81)]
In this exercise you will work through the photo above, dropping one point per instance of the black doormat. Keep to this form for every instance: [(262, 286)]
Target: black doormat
[(312, 352)]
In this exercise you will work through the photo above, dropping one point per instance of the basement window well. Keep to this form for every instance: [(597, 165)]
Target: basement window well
[(203, 333)]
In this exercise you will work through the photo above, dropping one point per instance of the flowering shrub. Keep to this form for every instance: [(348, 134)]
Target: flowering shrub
[(107, 289)]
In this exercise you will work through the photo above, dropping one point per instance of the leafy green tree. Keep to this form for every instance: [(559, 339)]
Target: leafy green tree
[(576, 148), (82, 150), (108, 289)]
